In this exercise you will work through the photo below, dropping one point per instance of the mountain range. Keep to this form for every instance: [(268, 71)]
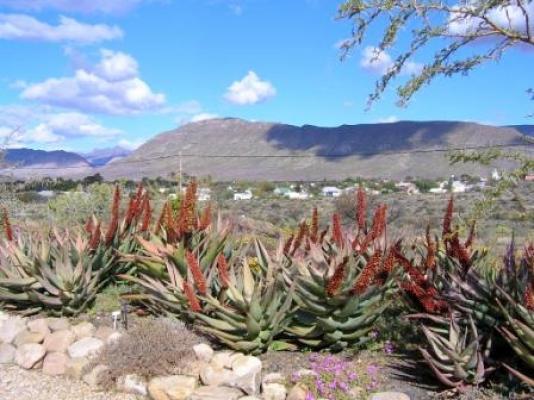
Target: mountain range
[(230, 149)]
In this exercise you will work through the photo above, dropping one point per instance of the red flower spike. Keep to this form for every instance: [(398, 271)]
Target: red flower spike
[(7, 226), (191, 298), (95, 237), (337, 234), (447, 219), (147, 213), (205, 218), (368, 273), (198, 276), (114, 224), (361, 209), (222, 269), (314, 228), (301, 235), (335, 282)]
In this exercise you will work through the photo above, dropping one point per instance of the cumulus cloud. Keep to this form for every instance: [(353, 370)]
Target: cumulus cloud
[(510, 17), (21, 126), (380, 62), (388, 120), (82, 6), (113, 86), (203, 117), (250, 90), (131, 144), (25, 27)]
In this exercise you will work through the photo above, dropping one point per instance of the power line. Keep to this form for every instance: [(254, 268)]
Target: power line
[(281, 156)]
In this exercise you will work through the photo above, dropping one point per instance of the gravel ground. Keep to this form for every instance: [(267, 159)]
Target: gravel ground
[(19, 384)]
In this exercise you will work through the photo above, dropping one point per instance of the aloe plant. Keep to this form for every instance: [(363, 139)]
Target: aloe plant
[(457, 353), (60, 276)]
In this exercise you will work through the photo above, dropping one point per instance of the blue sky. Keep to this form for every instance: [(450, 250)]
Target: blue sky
[(94, 73)]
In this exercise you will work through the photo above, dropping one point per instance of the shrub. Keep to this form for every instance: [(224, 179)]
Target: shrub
[(150, 348)]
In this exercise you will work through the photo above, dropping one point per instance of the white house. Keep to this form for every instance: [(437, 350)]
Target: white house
[(407, 187), (204, 194), (331, 191), (246, 195), (456, 187), (297, 195)]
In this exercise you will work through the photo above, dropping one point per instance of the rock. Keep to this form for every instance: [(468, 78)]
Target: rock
[(59, 341), (58, 324), (249, 398), (174, 387), (76, 367), (39, 325), (84, 329), (211, 376), (7, 353), (389, 396), (216, 393), (114, 337), (27, 355), (222, 359), (94, 377), (10, 328), (274, 391), (297, 392), (28, 337), (273, 377), (194, 368), (55, 363), (133, 384), (247, 370), (85, 347), (103, 333), (203, 352)]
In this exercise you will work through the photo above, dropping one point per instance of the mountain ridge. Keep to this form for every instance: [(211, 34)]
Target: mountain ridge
[(229, 149)]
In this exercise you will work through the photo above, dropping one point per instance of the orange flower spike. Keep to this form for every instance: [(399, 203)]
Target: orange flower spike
[(314, 229), (430, 261), (222, 268), (198, 276), (161, 218), (447, 219), (191, 297), (529, 297), (95, 237), (7, 226), (114, 224), (389, 263), (147, 213), (471, 237), (361, 209), (335, 282), (368, 273), (301, 235), (205, 218), (337, 234)]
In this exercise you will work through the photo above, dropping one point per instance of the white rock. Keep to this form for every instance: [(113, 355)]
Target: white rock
[(28, 337), (274, 391), (113, 338), (249, 398), (55, 364), (248, 374), (7, 353), (10, 328), (222, 359), (389, 396), (103, 333), (274, 377), (133, 384), (86, 347), (204, 352), (83, 329), (173, 387), (245, 365), (211, 376), (58, 324), (94, 377), (76, 367), (28, 355), (39, 325), (216, 393), (59, 341), (297, 392)]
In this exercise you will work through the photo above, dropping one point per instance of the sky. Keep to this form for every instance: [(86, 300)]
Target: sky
[(84, 74)]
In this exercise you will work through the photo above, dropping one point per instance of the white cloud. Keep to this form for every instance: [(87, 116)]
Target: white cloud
[(388, 120), (44, 125), (509, 17), (203, 117), (83, 6), (25, 27), (250, 90), (380, 62), (131, 144), (113, 86)]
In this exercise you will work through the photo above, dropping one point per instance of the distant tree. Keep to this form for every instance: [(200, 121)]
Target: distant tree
[(450, 27), (89, 180), (424, 185)]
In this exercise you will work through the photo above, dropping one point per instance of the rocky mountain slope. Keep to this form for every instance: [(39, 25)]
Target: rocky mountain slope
[(229, 149)]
